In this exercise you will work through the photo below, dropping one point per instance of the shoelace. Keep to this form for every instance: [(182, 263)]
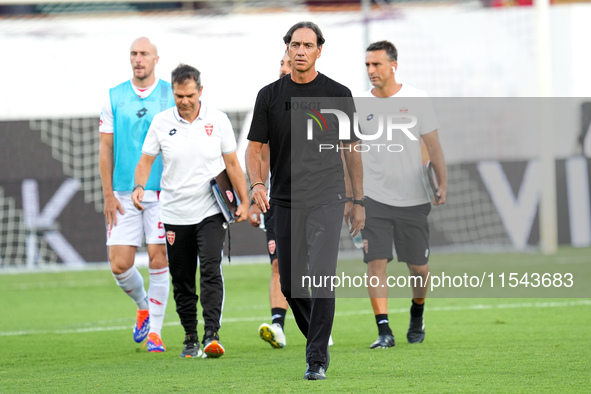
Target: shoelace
[(155, 340)]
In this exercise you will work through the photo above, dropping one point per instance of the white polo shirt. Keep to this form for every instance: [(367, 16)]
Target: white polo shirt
[(395, 178), (192, 156)]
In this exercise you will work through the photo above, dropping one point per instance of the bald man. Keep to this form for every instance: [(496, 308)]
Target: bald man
[(124, 123)]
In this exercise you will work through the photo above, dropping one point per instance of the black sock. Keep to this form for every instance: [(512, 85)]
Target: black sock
[(383, 324), (416, 310), (278, 316)]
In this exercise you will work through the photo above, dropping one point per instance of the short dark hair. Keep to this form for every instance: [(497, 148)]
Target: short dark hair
[(183, 73), (386, 46), (305, 25)]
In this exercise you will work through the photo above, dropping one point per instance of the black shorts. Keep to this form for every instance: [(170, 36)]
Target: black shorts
[(270, 232), (406, 226)]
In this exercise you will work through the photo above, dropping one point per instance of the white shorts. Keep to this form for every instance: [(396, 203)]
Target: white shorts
[(132, 226)]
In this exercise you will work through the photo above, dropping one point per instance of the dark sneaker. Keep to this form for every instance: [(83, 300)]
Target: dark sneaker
[(383, 342), (416, 330), (192, 347), (212, 347), (315, 371)]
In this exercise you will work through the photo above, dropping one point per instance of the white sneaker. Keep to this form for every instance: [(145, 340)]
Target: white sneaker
[(273, 334), (330, 342)]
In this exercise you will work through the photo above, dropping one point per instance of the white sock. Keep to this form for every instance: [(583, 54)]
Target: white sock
[(132, 283), (158, 296)]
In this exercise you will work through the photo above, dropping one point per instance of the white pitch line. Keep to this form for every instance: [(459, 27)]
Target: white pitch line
[(56, 285), (83, 330)]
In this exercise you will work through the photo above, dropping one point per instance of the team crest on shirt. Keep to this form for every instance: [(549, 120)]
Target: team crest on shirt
[(209, 128), (271, 246), (170, 235), (230, 195)]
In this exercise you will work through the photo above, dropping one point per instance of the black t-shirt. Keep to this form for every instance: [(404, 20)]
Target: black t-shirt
[(304, 172)]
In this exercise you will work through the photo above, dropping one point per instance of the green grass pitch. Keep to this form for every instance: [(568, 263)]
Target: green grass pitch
[(71, 332)]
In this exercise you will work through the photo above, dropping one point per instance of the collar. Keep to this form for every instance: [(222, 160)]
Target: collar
[(371, 94), (202, 114), (143, 92)]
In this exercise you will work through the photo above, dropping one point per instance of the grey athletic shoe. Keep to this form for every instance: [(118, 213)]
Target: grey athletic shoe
[(192, 347), (383, 342)]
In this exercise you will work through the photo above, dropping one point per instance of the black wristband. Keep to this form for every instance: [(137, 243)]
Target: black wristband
[(362, 202), (256, 183), (136, 186)]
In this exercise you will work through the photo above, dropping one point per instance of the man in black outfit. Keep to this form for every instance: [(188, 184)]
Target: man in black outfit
[(307, 185)]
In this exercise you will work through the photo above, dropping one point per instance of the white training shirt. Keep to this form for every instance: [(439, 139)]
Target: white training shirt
[(192, 157), (395, 178)]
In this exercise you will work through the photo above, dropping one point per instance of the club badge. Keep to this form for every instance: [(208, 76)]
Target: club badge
[(271, 246), (170, 235)]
